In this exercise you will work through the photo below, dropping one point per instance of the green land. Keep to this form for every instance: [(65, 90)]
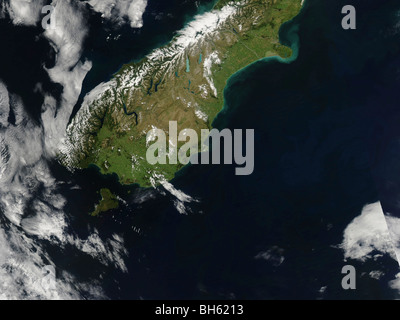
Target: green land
[(108, 201), (185, 86)]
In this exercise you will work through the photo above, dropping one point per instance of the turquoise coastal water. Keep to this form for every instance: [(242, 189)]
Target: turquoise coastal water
[(288, 36), (323, 121), (317, 127)]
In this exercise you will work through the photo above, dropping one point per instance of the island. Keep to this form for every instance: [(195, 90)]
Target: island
[(108, 202), (182, 81)]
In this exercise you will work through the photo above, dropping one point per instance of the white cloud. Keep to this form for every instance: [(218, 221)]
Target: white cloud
[(274, 255), (20, 159), (395, 284), (29, 12), (372, 234), (46, 223), (393, 225), (180, 200), (376, 274), (109, 252), (368, 234), (118, 10), (67, 38), (4, 105), (26, 182), (21, 263), (24, 12)]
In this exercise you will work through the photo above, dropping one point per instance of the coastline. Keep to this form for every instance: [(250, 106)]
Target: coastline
[(288, 36), (217, 106)]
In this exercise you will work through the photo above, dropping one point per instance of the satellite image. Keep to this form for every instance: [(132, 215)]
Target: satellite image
[(192, 150)]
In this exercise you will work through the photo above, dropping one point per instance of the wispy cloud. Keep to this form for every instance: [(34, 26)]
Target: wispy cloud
[(24, 12), (368, 234), (26, 183), (372, 234), (121, 10), (67, 38)]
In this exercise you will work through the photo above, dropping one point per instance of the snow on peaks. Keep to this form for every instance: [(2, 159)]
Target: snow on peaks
[(203, 24)]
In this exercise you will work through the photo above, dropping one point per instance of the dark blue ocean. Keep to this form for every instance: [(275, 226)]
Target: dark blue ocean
[(326, 144)]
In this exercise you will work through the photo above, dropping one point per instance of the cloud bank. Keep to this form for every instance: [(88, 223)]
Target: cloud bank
[(26, 183), (121, 10), (372, 234), (23, 12), (368, 234)]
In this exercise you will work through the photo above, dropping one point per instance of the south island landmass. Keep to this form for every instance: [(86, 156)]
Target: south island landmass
[(182, 81)]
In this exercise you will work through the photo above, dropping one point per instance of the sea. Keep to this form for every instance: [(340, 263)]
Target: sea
[(326, 144)]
